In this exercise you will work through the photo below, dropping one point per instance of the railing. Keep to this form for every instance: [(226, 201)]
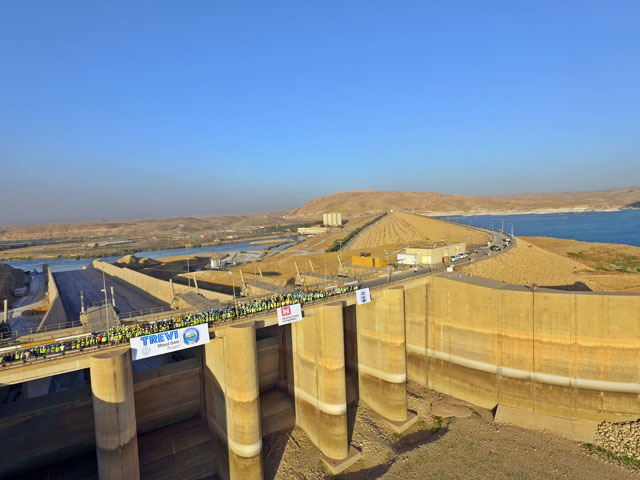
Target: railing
[(140, 313), (8, 338)]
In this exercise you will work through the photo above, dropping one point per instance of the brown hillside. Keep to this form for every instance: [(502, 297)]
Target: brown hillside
[(371, 201), (137, 228)]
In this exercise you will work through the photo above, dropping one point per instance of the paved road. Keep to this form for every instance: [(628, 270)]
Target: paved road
[(89, 281)]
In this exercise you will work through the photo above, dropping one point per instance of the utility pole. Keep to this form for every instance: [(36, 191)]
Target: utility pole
[(6, 311), (106, 303), (113, 298), (233, 282), (82, 302)]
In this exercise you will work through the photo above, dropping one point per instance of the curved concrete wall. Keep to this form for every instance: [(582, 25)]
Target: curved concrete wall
[(564, 354)]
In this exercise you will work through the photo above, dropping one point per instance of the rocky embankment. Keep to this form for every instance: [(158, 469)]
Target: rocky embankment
[(620, 439), (10, 279)]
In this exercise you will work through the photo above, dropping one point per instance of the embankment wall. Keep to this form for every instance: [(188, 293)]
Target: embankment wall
[(55, 314), (154, 286)]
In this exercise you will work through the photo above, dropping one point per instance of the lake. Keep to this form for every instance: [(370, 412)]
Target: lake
[(606, 227)]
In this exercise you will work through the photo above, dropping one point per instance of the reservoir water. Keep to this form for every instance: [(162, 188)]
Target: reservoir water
[(66, 264), (606, 227)]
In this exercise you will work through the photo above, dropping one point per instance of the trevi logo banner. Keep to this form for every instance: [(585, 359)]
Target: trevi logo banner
[(169, 341), (363, 296)]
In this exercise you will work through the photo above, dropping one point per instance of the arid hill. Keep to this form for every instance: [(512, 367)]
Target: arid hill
[(136, 228), (350, 204), (371, 201)]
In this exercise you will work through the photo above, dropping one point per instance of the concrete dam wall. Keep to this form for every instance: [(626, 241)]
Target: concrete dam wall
[(547, 352), (555, 359)]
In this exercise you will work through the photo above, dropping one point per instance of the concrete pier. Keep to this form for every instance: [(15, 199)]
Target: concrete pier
[(382, 366), (114, 415), (244, 438), (320, 383)]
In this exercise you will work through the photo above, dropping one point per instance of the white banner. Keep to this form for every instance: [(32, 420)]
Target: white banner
[(363, 296), (289, 314), (169, 341)]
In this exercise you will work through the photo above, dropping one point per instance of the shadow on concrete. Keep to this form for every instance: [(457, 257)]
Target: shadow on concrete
[(215, 415), (80, 467), (271, 274), (351, 361), (576, 287)]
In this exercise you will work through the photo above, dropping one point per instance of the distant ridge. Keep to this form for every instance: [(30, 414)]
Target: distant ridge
[(349, 203), (361, 202)]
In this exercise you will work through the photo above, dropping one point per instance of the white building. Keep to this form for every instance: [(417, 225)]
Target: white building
[(430, 255), (332, 219)]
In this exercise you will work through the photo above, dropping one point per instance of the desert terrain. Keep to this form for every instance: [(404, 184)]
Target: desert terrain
[(451, 440), (94, 239), (566, 264), (382, 239)]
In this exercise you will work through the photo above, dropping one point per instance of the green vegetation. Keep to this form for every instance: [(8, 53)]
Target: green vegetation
[(292, 227), (337, 244), (622, 459), (437, 424), (626, 264)]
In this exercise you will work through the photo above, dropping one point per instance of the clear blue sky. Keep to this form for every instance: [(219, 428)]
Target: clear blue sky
[(122, 109)]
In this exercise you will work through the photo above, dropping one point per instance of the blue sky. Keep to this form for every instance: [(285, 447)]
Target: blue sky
[(151, 108)]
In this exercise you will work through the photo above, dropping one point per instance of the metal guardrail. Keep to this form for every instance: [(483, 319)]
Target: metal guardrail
[(7, 338), (140, 313)]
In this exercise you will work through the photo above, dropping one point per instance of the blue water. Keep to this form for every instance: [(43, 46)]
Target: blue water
[(605, 227), (66, 264)]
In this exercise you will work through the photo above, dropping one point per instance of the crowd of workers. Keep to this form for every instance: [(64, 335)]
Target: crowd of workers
[(123, 333)]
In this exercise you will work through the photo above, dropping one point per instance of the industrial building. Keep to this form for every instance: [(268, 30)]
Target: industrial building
[(312, 230), (332, 219), (430, 255)]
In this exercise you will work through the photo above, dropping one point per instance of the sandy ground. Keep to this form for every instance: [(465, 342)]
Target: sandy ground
[(410, 229), (470, 447), (527, 263)]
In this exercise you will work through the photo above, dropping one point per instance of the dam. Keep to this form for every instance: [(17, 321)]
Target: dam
[(557, 359)]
